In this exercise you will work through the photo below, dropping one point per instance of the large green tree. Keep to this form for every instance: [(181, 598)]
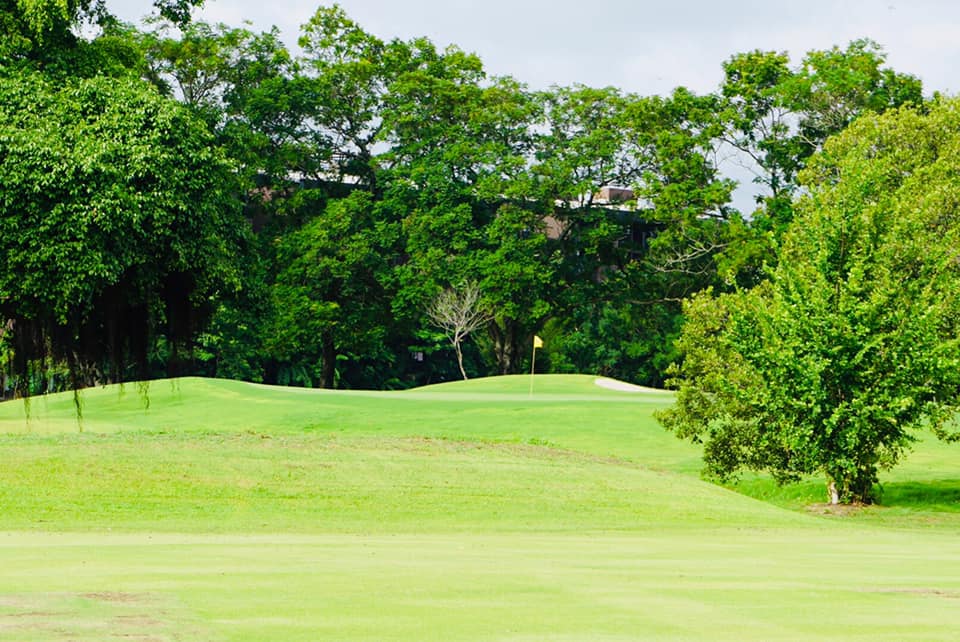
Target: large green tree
[(626, 262), (457, 165), (119, 224), (331, 295), (47, 32), (851, 346)]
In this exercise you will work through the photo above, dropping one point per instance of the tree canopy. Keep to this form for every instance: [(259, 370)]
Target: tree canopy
[(850, 347), (777, 115), (119, 219)]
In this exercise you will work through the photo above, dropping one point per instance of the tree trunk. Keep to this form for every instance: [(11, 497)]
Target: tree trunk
[(506, 357), (456, 346), (832, 494), (844, 487), (505, 345), (329, 357)]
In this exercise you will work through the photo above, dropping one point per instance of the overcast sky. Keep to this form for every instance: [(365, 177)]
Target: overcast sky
[(642, 46)]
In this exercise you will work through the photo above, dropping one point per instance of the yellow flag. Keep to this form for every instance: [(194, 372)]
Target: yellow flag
[(537, 342)]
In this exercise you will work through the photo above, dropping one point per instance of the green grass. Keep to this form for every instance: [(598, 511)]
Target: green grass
[(229, 511), (484, 586), (923, 491), (319, 483), (564, 411)]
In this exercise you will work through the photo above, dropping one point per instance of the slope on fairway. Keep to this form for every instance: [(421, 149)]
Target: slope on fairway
[(565, 413), (212, 455)]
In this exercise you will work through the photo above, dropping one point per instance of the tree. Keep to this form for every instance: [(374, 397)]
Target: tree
[(687, 197), (585, 145), (44, 31), (244, 85), (778, 116), (613, 337), (516, 269), (457, 163), (833, 87), (850, 347), (457, 312), (30, 26), (331, 295), (762, 125), (176, 11), (119, 223), (508, 255), (350, 74)]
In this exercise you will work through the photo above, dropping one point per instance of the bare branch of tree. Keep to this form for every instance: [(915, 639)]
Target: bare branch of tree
[(457, 311)]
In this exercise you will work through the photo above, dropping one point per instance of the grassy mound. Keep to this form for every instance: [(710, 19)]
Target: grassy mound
[(224, 455), (566, 411)]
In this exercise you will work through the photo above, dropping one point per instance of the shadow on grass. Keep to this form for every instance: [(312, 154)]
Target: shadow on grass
[(939, 494), (792, 496)]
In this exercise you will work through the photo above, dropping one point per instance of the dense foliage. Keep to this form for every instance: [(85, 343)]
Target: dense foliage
[(851, 346), (118, 222)]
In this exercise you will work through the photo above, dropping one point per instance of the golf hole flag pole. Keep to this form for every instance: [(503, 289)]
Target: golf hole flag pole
[(537, 343)]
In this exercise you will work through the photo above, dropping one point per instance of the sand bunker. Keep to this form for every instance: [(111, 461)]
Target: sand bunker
[(622, 386)]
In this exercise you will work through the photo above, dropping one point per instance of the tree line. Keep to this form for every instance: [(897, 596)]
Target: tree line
[(194, 198)]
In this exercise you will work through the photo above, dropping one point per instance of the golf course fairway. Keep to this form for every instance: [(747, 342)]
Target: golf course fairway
[(215, 510)]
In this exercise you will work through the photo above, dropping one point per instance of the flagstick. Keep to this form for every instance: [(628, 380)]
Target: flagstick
[(533, 365)]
